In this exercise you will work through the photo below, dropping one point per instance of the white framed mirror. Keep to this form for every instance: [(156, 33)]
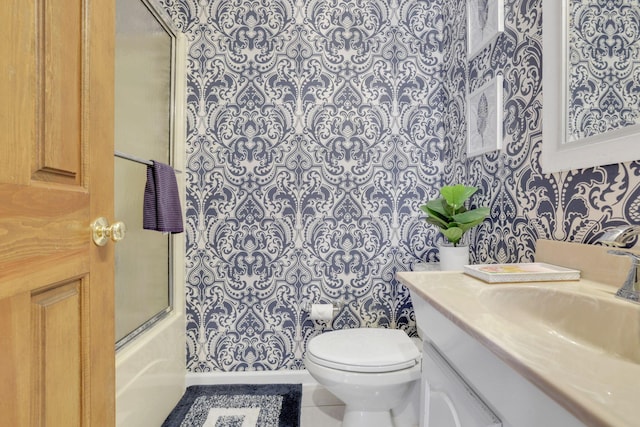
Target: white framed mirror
[(591, 83)]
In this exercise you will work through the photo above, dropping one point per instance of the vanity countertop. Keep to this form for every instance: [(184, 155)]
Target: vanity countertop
[(526, 324)]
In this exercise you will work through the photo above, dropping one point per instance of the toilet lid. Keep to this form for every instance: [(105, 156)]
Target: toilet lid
[(364, 350)]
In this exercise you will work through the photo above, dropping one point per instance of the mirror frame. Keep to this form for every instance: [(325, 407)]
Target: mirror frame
[(616, 146)]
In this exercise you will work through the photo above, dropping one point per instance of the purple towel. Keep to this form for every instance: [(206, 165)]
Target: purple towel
[(161, 211)]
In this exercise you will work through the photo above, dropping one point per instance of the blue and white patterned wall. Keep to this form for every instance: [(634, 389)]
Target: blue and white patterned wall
[(315, 131), (526, 204), (316, 128), (604, 66)]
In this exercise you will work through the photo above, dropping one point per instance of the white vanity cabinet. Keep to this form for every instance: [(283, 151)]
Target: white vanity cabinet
[(472, 386), (448, 400)]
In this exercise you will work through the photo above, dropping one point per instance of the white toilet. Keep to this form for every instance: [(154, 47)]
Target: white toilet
[(372, 370)]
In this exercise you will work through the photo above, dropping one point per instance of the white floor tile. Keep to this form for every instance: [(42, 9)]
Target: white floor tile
[(320, 408), (321, 416)]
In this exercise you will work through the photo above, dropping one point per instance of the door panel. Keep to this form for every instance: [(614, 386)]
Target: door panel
[(56, 176), (57, 358), (59, 71), (14, 367)]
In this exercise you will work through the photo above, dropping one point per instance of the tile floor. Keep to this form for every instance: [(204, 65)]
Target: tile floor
[(320, 408)]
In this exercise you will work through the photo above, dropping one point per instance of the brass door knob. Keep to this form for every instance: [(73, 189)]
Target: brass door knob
[(102, 232)]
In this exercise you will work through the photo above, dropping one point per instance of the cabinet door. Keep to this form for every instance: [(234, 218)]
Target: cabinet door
[(56, 176), (449, 400)]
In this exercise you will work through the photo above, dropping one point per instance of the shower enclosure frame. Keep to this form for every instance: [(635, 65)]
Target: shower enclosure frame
[(150, 365)]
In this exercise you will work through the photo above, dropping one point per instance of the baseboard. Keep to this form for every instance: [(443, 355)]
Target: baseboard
[(251, 377)]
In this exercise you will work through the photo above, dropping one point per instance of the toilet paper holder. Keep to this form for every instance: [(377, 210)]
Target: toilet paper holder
[(337, 306)]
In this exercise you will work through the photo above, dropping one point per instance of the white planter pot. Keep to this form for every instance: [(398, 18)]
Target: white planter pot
[(453, 258)]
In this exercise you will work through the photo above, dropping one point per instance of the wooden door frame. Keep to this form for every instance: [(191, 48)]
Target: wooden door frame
[(98, 123)]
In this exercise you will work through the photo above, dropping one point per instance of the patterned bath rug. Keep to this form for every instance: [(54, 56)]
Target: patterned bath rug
[(238, 405)]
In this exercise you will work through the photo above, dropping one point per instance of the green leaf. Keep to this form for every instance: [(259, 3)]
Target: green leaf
[(453, 234), (437, 222), (470, 225), (436, 213), (456, 195), (472, 216), (436, 206)]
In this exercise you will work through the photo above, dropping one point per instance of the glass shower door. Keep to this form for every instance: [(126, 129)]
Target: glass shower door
[(143, 132), (142, 261)]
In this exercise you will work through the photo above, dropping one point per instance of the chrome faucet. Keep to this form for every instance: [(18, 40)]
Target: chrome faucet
[(630, 290), (622, 237)]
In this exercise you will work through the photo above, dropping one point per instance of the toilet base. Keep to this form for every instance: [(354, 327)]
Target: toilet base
[(354, 417)]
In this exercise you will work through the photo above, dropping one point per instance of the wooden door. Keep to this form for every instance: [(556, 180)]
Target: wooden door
[(56, 176)]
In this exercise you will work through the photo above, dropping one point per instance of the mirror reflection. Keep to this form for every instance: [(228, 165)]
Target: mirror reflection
[(603, 67), (591, 81)]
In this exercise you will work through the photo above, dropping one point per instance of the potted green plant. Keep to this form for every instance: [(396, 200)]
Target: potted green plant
[(449, 214)]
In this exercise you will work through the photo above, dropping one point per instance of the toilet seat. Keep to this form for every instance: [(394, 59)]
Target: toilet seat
[(367, 350)]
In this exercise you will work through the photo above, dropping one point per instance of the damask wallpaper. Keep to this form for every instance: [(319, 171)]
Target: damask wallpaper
[(525, 204), (315, 130), (604, 41)]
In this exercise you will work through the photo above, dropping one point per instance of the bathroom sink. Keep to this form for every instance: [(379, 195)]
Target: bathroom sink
[(573, 340), (595, 320)]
